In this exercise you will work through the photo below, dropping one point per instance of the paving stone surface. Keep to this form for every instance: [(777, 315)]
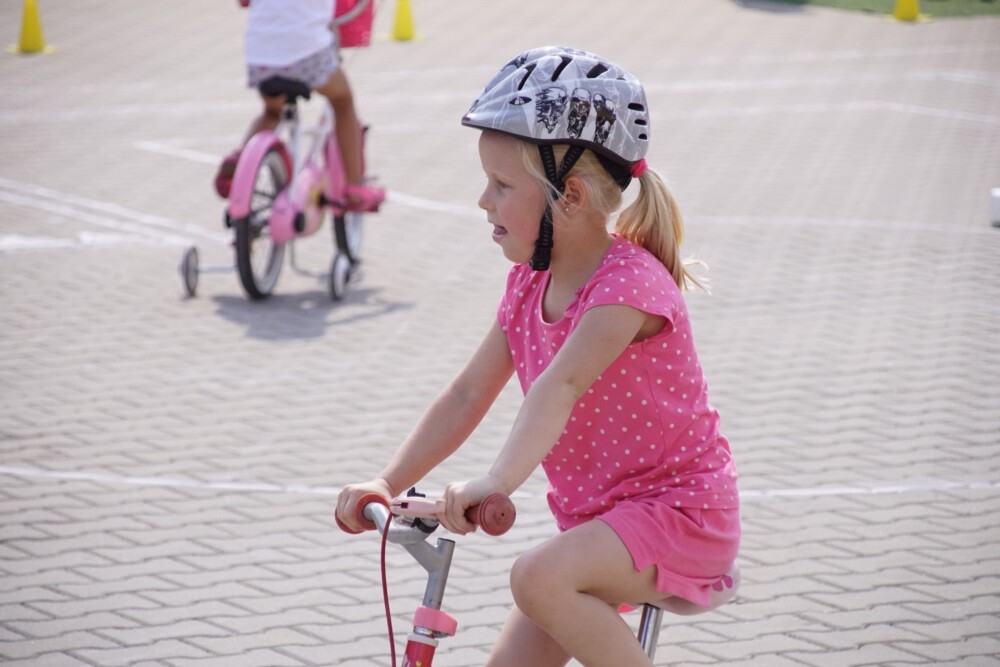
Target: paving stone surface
[(168, 465)]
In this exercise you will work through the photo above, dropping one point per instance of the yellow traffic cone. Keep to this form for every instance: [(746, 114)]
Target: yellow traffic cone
[(402, 28), (32, 40), (907, 10)]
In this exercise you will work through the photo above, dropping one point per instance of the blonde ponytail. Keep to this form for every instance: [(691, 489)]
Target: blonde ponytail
[(654, 221)]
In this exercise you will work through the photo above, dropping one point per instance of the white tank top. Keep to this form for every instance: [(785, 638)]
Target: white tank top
[(280, 32)]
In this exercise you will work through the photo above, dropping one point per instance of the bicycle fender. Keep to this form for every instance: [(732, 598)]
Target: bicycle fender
[(251, 156)]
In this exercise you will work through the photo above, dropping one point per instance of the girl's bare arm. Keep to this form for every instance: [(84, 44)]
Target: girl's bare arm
[(602, 335), (446, 424)]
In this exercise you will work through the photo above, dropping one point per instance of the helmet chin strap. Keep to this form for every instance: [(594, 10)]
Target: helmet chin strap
[(543, 245)]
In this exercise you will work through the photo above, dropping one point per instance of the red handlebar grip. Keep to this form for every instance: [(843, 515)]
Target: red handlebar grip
[(359, 513), (495, 515)]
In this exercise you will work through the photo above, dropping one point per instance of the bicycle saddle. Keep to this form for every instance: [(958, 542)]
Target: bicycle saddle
[(291, 88)]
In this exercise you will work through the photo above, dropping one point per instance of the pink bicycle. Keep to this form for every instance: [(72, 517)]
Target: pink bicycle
[(409, 521), (285, 182)]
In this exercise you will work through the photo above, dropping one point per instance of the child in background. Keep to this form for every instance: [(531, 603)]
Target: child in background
[(292, 39), (642, 483)]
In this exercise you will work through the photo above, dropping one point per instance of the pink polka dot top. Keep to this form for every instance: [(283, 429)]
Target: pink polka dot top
[(644, 429)]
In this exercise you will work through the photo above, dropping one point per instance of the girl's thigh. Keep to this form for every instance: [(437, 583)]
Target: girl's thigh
[(590, 559)]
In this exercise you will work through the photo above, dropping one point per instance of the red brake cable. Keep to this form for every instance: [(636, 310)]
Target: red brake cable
[(385, 593)]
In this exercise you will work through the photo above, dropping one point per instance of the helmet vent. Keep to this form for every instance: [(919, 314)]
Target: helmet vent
[(640, 121), (635, 106), (566, 60), (527, 73), (597, 70)]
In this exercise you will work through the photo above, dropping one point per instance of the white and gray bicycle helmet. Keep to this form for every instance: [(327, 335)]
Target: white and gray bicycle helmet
[(556, 95)]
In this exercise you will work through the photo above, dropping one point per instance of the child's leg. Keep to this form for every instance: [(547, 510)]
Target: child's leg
[(521, 643), (267, 120), (269, 117), (570, 586), (360, 197), (347, 126)]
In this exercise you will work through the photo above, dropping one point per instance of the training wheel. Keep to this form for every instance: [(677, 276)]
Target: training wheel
[(189, 270), (340, 273)]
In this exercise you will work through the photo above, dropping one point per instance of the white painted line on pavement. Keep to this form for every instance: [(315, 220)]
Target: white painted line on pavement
[(174, 151), (77, 215), (839, 223), (828, 108), (968, 77), (85, 239), (95, 114), (173, 482), (828, 56), (397, 197), (822, 491), (302, 489), (97, 212)]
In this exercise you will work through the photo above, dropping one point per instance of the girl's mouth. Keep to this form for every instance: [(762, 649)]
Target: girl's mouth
[(499, 231)]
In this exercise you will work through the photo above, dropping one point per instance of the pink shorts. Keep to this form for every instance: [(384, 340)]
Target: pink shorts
[(691, 548)]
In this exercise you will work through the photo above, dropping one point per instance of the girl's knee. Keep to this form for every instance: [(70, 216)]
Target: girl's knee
[(534, 580)]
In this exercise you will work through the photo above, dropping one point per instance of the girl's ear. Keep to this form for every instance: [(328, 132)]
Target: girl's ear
[(574, 193)]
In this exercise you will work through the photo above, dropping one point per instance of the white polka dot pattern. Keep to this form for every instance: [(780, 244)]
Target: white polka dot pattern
[(645, 427)]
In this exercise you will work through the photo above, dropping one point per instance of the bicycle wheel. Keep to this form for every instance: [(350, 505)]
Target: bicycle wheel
[(258, 257), (348, 230), (189, 270), (340, 273)]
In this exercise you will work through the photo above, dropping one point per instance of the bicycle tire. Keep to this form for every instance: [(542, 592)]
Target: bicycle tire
[(340, 274), (258, 257), (348, 229)]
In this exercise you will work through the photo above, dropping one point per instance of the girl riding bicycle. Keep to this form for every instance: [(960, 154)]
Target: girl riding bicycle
[(292, 39), (594, 325)]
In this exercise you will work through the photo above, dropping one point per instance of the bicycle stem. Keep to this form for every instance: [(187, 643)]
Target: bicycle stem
[(437, 562)]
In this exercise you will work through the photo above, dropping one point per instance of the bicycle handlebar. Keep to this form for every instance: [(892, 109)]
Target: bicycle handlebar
[(495, 514)]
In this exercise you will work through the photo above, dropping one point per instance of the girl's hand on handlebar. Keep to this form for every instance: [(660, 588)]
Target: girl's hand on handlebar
[(460, 496), (346, 512)]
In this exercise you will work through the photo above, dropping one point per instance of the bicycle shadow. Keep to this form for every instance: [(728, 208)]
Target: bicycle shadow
[(305, 315)]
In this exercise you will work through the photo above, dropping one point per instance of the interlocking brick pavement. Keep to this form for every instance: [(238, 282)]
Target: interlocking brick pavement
[(167, 465)]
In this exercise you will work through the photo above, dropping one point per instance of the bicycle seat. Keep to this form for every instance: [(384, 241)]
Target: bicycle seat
[(723, 591), (293, 89)]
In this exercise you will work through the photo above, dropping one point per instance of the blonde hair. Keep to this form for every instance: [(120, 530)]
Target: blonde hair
[(653, 220)]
